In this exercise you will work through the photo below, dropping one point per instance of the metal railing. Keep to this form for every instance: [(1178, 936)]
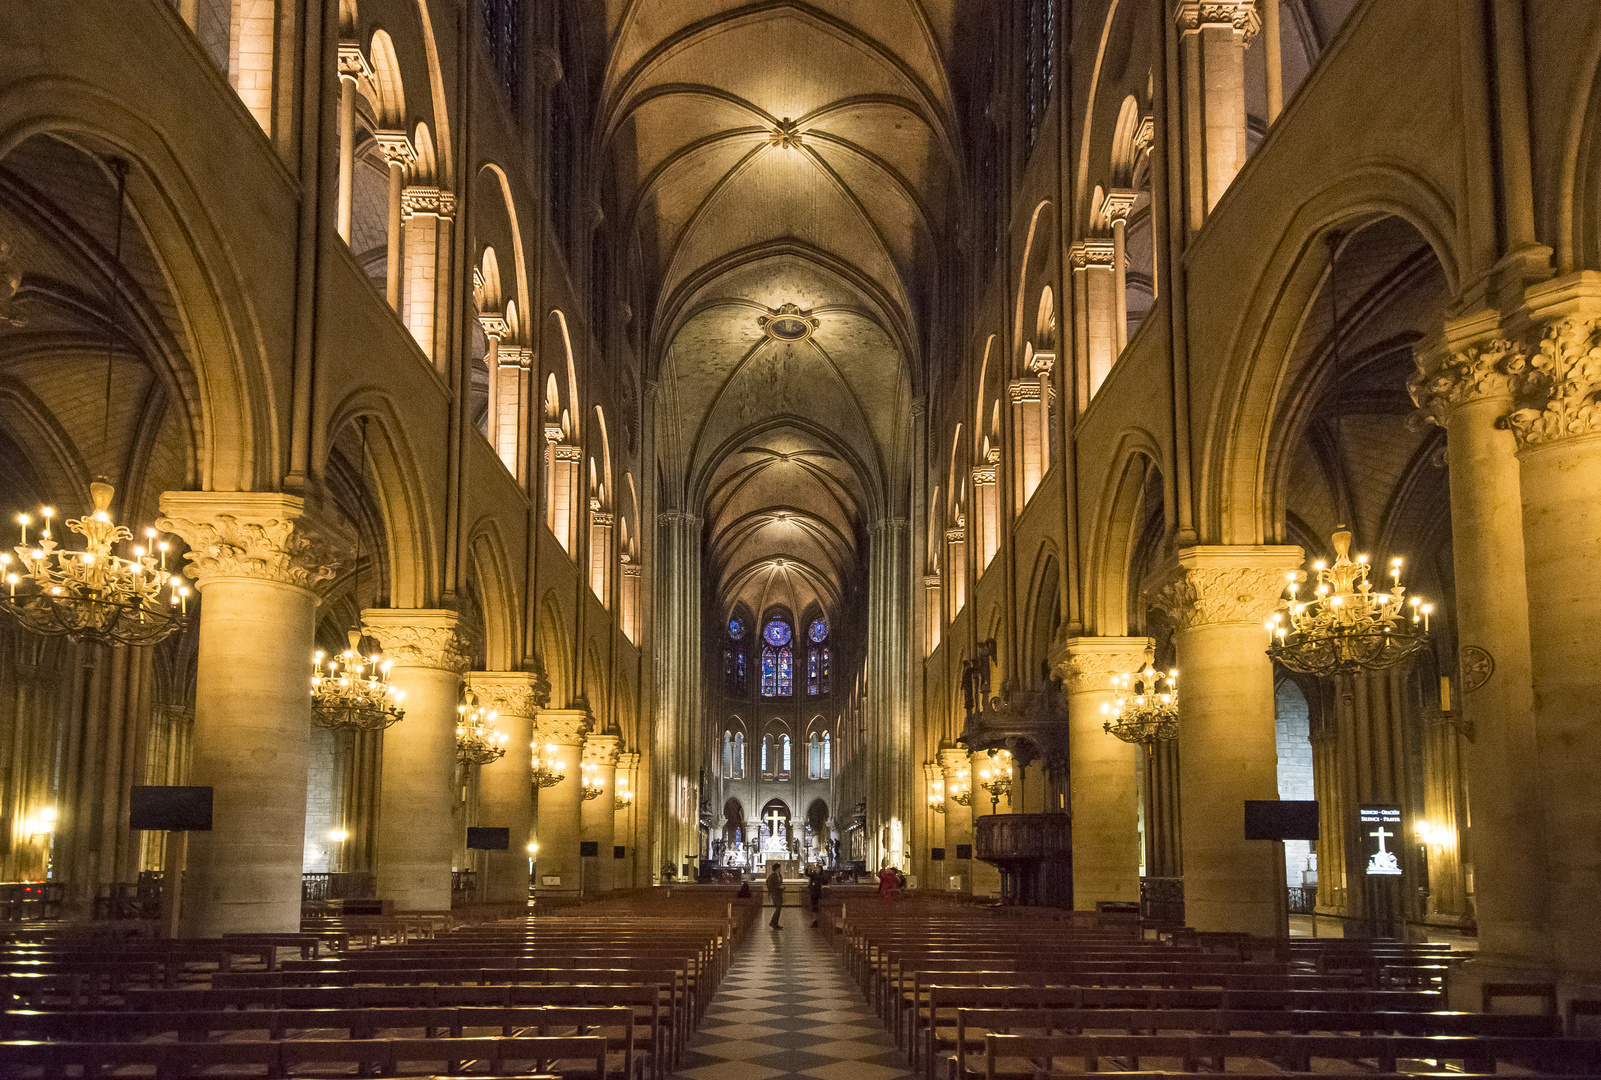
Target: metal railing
[(1303, 899), (352, 886)]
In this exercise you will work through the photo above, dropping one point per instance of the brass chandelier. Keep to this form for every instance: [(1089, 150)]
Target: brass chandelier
[(1146, 709), (547, 768), (95, 595), (591, 786), (995, 777), (477, 741), (1346, 625), (352, 690), (354, 693)]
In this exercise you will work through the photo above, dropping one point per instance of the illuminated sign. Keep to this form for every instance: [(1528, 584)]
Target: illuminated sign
[(1380, 826)]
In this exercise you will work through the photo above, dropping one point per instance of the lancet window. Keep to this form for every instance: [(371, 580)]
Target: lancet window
[(778, 660)]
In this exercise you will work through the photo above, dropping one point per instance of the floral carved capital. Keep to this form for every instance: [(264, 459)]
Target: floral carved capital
[(257, 536), (1447, 380), (511, 693), (1241, 15), (564, 727), (419, 638), (1559, 396), (1090, 663), (1222, 588)]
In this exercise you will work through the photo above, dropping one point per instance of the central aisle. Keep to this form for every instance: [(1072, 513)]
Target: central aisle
[(788, 1009)]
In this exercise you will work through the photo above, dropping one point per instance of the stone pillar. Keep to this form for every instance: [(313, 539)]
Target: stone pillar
[(1104, 790), (424, 209), (559, 733), (1228, 747), (1212, 36), (352, 66), (676, 759), (625, 821), (505, 789), (958, 777), (889, 723), (1119, 203), (252, 731), (1095, 314), (1558, 430), (1333, 812), (1444, 811), (986, 877), (416, 790), (1275, 59), (932, 873), (495, 327), (397, 151), (598, 816), (1465, 383)]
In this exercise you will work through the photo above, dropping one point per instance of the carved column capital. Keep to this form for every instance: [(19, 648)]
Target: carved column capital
[(1227, 585), (511, 693), (1449, 378), (1241, 16), (1559, 392), (494, 325), (353, 63), (396, 148), (602, 750), (425, 199), (953, 761), (245, 535), (419, 637), (1087, 664), (1097, 252), (563, 727), (1119, 203)]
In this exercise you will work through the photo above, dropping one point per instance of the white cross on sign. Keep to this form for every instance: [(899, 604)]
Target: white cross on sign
[(774, 820), (1380, 833)]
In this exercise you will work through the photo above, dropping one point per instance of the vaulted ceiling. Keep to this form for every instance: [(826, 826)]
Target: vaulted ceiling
[(769, 154)]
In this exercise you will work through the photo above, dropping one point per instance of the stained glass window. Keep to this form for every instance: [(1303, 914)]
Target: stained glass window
[(778, 660), (818, 630), (823, 677), (769, 671), (786, 672), (785, 768), (814, 757), (736, 629), (776, 633), (828, 755), (739, 672)]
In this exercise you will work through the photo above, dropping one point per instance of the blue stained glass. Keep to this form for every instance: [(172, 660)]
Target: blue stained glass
[(776, 633), (736, 629), (818, 630), (769, 673), (786, 672)]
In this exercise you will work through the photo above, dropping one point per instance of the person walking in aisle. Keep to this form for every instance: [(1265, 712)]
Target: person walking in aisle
[(775, 890)]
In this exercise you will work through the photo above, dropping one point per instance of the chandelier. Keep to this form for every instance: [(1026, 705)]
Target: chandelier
[(352, 691), (961, 792), (1346, 625), (593, 787), (95, 595), (477, 741), (625, 798), (936, 796), (996, 778), (1146, 708), (547, 769)]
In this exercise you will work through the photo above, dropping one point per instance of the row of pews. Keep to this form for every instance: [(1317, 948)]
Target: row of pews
[(1031, 994), (608, 989)]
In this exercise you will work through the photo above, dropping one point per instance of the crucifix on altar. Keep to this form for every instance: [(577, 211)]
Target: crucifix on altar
[(775, 822)]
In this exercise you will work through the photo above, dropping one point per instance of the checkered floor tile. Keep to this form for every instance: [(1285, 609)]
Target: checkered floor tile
[(787, 1011)]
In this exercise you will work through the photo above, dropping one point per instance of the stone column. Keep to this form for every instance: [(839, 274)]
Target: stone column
[(624, 823), (352, 66), (1444, 805), (889, 722), (505, 787), (1465, 383), (1095, 314), (986, 877), (495, 327), (1212, 36), (953, 764), (426, 211), (416, 790), (676, 759), (252, 731), (1558, 429), (559, 733), (1105, 785), (598, 816), (934, 823), (1333, 813), (399, 156), (1228, 748), (1119, 202)]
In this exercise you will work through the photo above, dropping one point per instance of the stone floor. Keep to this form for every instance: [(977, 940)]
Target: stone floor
[(786, 1010)]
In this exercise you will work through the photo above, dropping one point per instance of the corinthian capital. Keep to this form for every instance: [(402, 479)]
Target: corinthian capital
[(1447, 379), (419, 637), (254, 535), (1240, 15), (511, 693), (1222, 585), (1088, 664), (1559, 395), (602, 750), (563, 727)]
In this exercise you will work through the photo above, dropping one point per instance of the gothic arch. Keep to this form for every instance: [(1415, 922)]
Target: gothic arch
[(1118, 520), (552, 650), (1234, 506), (501, 610)]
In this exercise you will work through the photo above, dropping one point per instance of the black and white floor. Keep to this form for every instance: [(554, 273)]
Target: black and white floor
[(787, 1010)]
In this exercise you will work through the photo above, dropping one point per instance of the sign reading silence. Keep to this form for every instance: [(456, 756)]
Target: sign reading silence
[(1380, 827)]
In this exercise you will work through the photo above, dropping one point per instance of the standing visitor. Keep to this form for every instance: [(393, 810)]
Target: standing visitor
[(814, 888), (775, 890)]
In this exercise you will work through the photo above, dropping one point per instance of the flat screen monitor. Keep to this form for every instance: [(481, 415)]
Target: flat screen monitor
[(1281, 819), (169, 809), (488, 839)]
